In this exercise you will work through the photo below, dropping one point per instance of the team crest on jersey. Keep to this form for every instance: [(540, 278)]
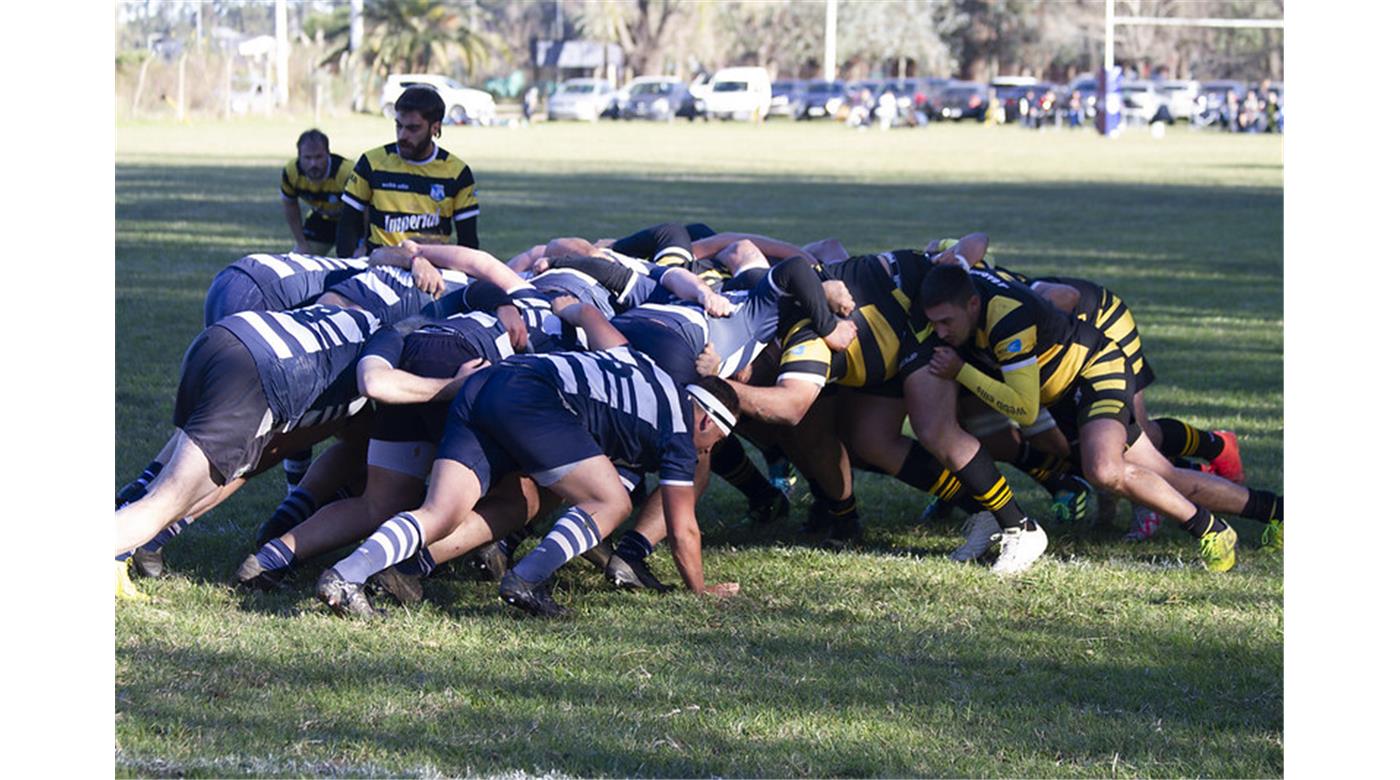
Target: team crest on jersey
[(437, 192), (1014, 346)]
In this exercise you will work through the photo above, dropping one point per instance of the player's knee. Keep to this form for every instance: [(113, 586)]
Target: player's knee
[(1105, 474)]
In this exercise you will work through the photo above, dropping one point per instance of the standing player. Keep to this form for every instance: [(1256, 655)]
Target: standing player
[(317, 177), (411, 188)]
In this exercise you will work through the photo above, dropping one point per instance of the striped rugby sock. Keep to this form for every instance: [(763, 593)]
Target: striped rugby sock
[(396, 540), (135, 490), (163, 538), (275, 555), (573, 534), (990, 489)]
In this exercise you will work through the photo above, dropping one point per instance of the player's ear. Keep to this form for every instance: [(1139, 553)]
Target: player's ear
[(437, 129)]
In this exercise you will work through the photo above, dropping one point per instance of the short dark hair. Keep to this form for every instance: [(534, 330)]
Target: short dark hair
[(946, 284), (314, 135), (425, 101)]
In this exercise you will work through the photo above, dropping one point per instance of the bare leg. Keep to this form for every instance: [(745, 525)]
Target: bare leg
[(1102, 443), (182, 485), (1206, 490), (387, 492), (509, 506), (932, 403)]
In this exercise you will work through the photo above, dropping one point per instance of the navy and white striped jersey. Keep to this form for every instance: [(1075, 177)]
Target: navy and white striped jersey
[(741, 336), (635, 290), (306, 360), (389, 294), (637, 414), (292, 280), (472, 335)]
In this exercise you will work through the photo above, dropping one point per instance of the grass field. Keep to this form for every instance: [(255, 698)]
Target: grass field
[(1108, 659)]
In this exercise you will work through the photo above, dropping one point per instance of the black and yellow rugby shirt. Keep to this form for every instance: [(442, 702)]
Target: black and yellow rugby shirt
[(421, 201), (1039, 350), (322, 196), (1103, 309), (884, 330)]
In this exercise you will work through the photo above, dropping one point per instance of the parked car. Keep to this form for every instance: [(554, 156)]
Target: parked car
[(960, 100), (584, 99), (464, 105), (739, 93), (653, 97), (787, 93), (1010, 96), (820, 99), (1140, 101), (1180, 97), (926, 91)]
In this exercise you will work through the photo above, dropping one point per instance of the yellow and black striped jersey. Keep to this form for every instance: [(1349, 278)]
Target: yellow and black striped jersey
[(1107, 313), (883, 287), (323, 195), (403, 199), (1017, 326)]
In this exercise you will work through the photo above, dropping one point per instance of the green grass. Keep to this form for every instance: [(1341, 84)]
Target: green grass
[(1108, 659)]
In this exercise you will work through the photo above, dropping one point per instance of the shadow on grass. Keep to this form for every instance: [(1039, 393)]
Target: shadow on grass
[(800, 700)]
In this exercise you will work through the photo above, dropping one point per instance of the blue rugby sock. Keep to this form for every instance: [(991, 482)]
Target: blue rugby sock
[(275, 555), (398, 538), (571, 536), (418, 565), (295, 466), (634, 546), (292, 512), (163, 538), (135, 490)]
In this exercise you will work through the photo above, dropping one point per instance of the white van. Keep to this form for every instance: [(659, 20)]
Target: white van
[(739, 93)]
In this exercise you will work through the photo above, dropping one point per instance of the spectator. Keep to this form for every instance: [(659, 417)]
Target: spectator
[(1273, 114), (886, 109), (1249, 114), (1074, 113), (1230, 112), (527, 104)]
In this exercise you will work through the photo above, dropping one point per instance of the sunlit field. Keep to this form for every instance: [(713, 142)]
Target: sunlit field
[(1108, 659)]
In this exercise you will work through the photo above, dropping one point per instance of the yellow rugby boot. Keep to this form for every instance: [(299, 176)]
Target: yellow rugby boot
[(1218, 549), (126, 589)]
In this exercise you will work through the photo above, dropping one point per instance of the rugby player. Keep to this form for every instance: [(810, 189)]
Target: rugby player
[(317, 177), (1047, 358), (410, 189), (562, 419), (253, 386)]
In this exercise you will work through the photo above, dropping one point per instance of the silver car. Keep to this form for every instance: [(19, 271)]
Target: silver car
[(584, 99)]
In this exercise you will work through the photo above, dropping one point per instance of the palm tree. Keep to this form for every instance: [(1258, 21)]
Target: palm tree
[(413, 36)]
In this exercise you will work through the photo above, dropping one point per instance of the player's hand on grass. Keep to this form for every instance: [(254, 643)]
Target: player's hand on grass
[(426, 277), (841, 336), (515, 327), (945, 363), (723, 590), (707, 364)]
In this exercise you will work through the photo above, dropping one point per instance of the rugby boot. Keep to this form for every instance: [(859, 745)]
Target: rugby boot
[(633, 574), (1272, 537), (773, 506), (980, 530), (148, 563), (1020, 548), (1071, 503), (251, 574), (1145, 524), (530, 597), (1228, 464), (126, 589), (599, 554), (407, 589), (346, 599), (1218, 549)]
